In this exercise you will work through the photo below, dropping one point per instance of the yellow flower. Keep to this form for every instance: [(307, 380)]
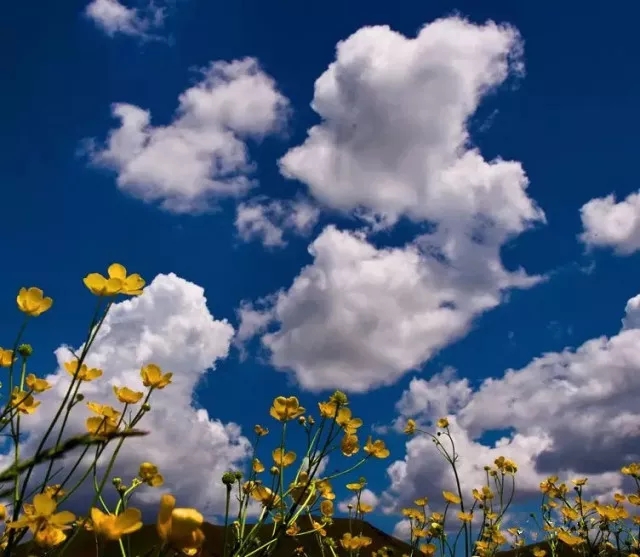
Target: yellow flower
[(54, 491), (117, 282), (349, 424), (355, 486), (579, 481), (23, 401), (410, 427), (3, 512), (104, 410), (85, 373), (112, 527), (41, 515), (149, 474), (286, 408), (292, 530), (465, 517), (6, 357), (260, 431), (327, 409), (354, 543), (49, 536), (376, 448), (126, 395), (101, 425), (632, 470), (363, 508), (257, 466), (262, 494), (152, 376), (443, 423), (451, 497), (326, 507), (32, 301), (283, 459), (421, 502), (349, 445), (569, 539), (36, 385), (180, 528), (427, 549)]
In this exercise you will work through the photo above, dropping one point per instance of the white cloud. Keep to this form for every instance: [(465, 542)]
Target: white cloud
[(201, 155), (169, 324), (268, 221), (113, 17), (573, 412), (361, 317), (394, 138), (393, 141), (607, 223)]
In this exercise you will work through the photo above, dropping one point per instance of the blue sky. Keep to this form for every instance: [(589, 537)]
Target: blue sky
[(415, 125)]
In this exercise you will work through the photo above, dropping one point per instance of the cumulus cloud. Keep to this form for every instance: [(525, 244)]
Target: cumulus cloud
[(393, 141), (267, 221), (169, 324), (572, 412), (393, 138), (607, 223), (360, 317), (201, 155), (112, 17)]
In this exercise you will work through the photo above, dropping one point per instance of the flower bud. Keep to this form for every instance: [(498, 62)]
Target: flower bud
[(146, 407), (25, 350), (79, 397), (116, 482), (238, 475), (274, 470), (228, 478), (339, 398)]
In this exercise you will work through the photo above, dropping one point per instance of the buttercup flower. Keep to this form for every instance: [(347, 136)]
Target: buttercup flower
[(180, 528), (35, 384), (376, 448), (117, 282), (152, 376), (283, 459), (41, 515), (451, 497), (410, 427), (260, 431), (112, 527), (23, 401), (101, 426), (349, 445), (443, 423), (6, 357), (85, 373), (32, 301), (126, 395), (286, 408), (149, 474)]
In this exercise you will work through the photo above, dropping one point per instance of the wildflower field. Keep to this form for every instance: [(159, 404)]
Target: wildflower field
[(294, 501)]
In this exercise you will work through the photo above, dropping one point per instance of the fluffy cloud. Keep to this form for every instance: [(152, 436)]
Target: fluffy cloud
[(394, 136), (268, 221), (572, 412), (201, 155), (361, 317), (113, 17), (169, 324), (607, 223), (393, 141)]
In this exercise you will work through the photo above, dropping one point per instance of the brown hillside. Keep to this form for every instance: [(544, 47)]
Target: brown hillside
[(145, 539)]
